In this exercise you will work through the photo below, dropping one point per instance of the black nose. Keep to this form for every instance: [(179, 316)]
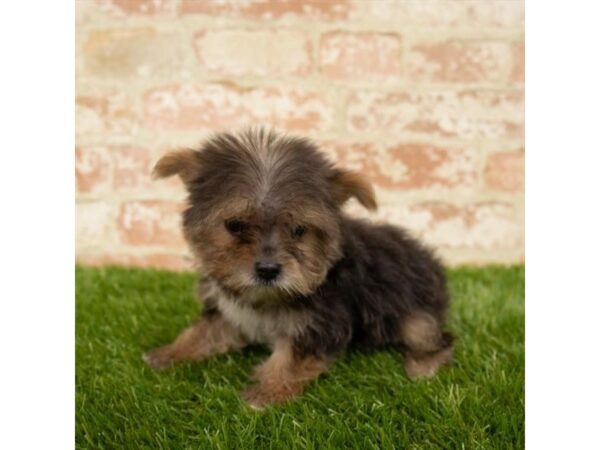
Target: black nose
[(267, 271)]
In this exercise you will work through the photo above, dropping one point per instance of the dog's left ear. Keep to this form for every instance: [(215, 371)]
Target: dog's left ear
[(185, 163), (348, 184)]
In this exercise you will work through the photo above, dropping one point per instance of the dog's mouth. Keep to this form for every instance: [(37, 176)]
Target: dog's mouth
[(266, 292), (274, 288)]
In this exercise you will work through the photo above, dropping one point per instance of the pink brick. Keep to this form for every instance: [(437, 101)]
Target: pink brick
[(458, 61), (142, 6), (505, 171), (92, 170), (226, 106), (362, 56), (254, 52), (485, 225), (409, 166), (268, 9), (151, 223), (123, 9), (101, 113), (518, 68), (465, 115), (132, 168), (99, 169)]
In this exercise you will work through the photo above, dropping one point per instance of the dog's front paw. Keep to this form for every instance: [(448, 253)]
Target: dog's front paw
[(259, 396), (160, 358), (427, 367)]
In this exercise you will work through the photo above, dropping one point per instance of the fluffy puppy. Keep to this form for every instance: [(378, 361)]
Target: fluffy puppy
[(282, 265)]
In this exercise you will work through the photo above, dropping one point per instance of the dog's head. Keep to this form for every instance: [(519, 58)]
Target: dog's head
[(263, 214)]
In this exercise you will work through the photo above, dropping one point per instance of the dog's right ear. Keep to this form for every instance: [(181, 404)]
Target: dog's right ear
[(348, 184), (185, 163)]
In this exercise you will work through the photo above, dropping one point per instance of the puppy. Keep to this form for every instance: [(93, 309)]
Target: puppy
[(282, 265)]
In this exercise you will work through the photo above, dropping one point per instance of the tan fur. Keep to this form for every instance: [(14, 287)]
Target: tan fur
[(426, 366), (264, 326), (426, 349), (283, 376), (203, 339), (421, 333), (352, 184), (184, 163)]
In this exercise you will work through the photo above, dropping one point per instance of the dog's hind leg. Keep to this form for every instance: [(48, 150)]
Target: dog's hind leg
[(427, 346)]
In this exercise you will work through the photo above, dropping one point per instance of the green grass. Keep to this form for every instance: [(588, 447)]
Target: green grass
[(364, 402)]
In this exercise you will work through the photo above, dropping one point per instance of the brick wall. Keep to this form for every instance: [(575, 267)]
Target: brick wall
[(425, 97)]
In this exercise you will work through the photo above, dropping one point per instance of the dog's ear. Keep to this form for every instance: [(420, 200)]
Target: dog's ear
[(348, 184), (185, 163)]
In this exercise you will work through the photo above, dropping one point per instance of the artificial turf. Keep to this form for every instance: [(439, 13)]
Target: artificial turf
[(364, 402)]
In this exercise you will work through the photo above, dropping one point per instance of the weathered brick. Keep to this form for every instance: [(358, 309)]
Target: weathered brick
[(224, 106), (154, 260), (466, 114), (100, 169), (254, 52), (458, 61), (127, 45), (132, 168), (151, 222), (133, 52), (409, 165), (505, 171), (92, 170), (105, 112), (268, 9), (518, 68), (485, 225), (443, 13), (363, 56)]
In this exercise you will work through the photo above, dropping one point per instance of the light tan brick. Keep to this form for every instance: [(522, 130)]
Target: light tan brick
[(254, 52), (505, 171), (151, 223), (133, 52), (409, 166), (95, 226), (224, 106), (458, 61), (153, 260), (269, 9), (362, 56), (475, 14), (465, 115)]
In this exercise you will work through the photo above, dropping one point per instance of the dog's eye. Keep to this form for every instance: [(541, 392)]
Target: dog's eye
[(298, 231), (235, 226)]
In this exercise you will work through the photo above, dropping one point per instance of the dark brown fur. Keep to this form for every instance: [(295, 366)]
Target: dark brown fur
[(258, 199)]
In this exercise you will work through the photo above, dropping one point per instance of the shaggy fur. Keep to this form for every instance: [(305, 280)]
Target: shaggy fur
[(285, 267)]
